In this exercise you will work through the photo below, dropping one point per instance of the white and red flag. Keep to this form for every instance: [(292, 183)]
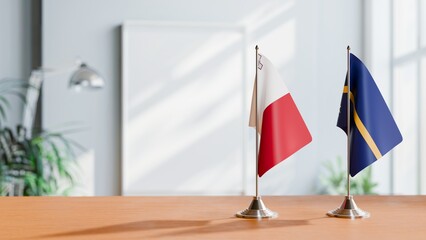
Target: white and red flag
[(281, 127)]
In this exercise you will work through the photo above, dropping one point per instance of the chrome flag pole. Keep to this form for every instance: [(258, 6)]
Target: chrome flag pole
[(348, 209), (257, 125), (257, 208)]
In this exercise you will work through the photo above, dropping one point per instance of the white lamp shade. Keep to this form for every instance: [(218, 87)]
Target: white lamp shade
[(86, 77)]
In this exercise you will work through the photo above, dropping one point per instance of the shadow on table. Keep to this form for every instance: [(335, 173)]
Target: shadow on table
[(237, 225), (131, 227), (198, 226)]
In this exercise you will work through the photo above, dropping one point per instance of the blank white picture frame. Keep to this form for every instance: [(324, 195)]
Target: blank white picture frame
[(184, 109)]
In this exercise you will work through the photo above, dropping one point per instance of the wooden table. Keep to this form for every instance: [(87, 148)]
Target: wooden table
[(301, 217)]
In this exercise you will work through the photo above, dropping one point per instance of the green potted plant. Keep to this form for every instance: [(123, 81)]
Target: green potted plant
[(334, 180), (32, 166)]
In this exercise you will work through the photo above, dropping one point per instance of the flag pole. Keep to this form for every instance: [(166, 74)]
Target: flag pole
[(348, 209), (348, 119), (257, 208), (257, 125)]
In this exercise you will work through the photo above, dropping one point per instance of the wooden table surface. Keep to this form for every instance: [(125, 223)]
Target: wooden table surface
[(300, 217)]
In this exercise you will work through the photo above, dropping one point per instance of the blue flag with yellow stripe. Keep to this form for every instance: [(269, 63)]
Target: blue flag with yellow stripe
[(373, 130)]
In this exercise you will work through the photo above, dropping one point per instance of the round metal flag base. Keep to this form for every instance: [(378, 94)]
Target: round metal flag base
[(348, 209), (257, 209)]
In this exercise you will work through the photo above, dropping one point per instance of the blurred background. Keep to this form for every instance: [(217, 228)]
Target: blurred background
[(172, 115)]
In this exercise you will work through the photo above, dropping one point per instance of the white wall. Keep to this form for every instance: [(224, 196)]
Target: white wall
[(393, 43), (378, 55), (306, 40), (15, 48)]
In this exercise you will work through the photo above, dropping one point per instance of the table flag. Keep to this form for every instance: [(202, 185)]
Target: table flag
[(373, 130), (281, 127)]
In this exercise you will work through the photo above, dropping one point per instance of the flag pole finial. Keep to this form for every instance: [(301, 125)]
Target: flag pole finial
[(348, 48)]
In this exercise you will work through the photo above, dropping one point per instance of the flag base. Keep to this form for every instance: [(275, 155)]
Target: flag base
[(348, 209), (257, 209)]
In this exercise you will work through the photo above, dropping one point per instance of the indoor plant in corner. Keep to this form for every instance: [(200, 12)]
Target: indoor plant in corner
[(32, 166), (335, 180)]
